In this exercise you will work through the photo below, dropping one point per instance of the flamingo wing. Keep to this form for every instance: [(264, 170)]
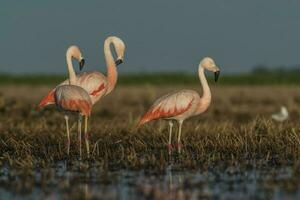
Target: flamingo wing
[(94, 83), (50, 97), (170, 105), (73, 98)]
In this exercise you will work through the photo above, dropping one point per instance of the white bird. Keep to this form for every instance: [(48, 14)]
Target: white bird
[(282, 115)]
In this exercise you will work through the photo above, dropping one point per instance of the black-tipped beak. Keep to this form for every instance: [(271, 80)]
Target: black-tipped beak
[(119, 61), (217, 74), (81, 64)]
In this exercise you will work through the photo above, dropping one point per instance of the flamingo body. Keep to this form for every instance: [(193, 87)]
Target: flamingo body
[(93, 82), (177, 105), (74, 99)]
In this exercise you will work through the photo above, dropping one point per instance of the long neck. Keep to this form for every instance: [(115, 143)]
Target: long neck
[(206, 91), (72, 75), (112, 73)]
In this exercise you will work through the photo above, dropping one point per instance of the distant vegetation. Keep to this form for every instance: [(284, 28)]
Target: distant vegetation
[(259, 76)]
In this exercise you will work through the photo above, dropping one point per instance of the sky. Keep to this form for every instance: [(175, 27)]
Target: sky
[(160, 35)]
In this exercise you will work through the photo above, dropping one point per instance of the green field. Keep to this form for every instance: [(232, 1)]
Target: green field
[(254, 78)]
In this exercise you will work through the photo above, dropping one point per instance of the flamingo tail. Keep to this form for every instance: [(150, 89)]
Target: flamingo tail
[(49, 99), (142, 122), (150, 115)]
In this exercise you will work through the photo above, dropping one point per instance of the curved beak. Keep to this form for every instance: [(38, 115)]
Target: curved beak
[(119, 61), (217, 74), (81, 64)]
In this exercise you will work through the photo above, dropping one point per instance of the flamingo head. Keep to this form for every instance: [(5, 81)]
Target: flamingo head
[(209, 64), (119, 48), (75, 53), (81, 63)]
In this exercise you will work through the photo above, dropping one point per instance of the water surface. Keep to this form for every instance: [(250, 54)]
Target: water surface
[(64, 182)]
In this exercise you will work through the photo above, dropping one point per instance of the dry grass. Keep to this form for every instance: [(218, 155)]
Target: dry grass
[(236, 129)]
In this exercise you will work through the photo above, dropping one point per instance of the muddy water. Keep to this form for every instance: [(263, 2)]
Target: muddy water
[(61, 182)]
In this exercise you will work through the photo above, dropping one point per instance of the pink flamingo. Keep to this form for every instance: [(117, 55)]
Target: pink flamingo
[(95, 83), (183, 104), (72, 98)]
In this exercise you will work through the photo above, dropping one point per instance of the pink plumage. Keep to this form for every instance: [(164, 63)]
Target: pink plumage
[(95, 83), (175, 105), (79, 93), (73, 98), (182, 104)]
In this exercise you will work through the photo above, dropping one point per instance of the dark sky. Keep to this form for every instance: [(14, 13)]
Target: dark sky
[(160, 35)]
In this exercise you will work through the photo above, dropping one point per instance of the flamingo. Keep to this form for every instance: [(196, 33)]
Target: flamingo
[(182, 104), (96, 84), (72, 98)]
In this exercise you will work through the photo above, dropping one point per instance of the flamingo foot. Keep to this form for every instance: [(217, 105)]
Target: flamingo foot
[(170, 148), (179, 147)]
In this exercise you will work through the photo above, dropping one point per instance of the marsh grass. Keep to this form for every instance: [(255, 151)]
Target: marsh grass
[(236, 130), (233, 138)]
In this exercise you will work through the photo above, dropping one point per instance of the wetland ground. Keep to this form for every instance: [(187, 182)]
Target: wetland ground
[(232, 151)]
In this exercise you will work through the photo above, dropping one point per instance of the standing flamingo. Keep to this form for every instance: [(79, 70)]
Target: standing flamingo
[(95, 83), (72, 98), (183, 104)]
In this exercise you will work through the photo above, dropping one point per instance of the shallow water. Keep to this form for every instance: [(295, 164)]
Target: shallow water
[(62, 182)]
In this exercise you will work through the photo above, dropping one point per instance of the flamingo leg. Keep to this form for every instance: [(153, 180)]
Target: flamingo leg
[(170, 137), (68, 134), (79, 133), (179, 145), (86, 137)]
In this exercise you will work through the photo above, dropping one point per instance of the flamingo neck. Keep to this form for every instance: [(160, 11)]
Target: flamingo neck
[(112, 73), (72, 75), (205, 87), (206, 96)]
